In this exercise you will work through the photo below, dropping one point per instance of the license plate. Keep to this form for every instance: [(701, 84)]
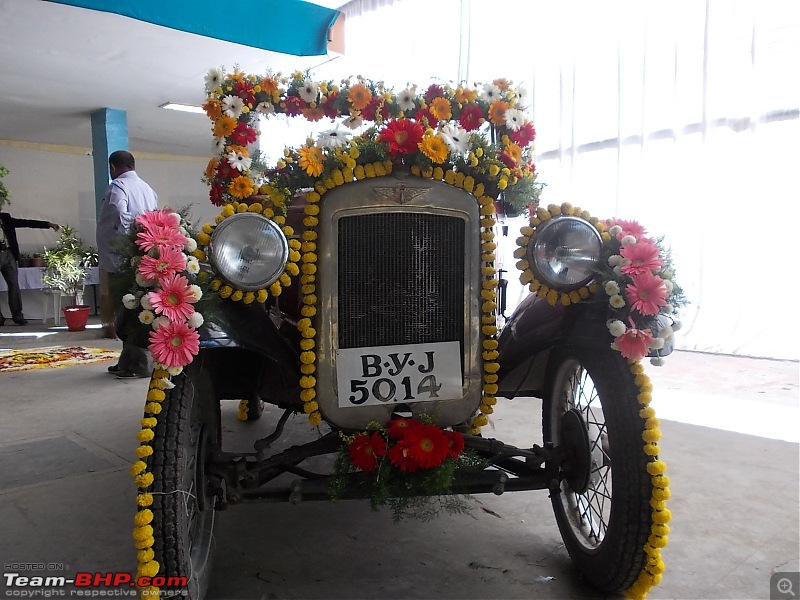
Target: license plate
[(399, 374)]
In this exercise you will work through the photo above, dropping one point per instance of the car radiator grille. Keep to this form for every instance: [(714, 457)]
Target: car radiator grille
[(401, 279)]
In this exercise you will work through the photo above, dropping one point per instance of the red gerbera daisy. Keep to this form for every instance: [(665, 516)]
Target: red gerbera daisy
[(243, 135), (370, 112), (215, 195), (456, 443), (402, 135), (329, 105), (524, 135), (471, 117), (398, 428), (365, 450), (427, 445), (400, 457), (244, 89), (433, 91), (295, 105), (226, 170), (424, 115), (644, 257)]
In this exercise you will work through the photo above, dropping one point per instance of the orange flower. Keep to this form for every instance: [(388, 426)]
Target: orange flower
[(269, 84), (497, 112), (211, 167), (503, 83), (359, 96), (514, 152), (313, 114), (311, 160), (241, 187), (224, 126), (464, 96), (440, 108), (213, 109), (238, 150)]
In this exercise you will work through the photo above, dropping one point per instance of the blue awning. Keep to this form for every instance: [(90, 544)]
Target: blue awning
[(285, 26)]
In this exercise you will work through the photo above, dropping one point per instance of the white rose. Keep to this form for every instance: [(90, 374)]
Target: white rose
[(196, 320), (129, 301), (196, 291), (616, 327), (612, 288)]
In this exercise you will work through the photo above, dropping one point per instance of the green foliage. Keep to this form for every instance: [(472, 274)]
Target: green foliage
[(5, 195), (423, 494), (65, 267)]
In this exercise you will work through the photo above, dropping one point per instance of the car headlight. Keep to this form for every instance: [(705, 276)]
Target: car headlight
[(565, 253), (248, 251)]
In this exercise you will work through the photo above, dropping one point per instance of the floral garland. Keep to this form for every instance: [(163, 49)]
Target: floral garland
[(653, 569), (144, 478), (402, 459), (636, 275)]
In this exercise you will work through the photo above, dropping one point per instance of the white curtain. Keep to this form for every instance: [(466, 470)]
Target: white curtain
[(684, 115)]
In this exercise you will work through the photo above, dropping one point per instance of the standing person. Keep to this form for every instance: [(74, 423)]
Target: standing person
[(127, 197), (9, 255)]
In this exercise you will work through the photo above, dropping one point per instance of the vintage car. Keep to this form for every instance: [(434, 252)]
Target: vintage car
[(354, 283)]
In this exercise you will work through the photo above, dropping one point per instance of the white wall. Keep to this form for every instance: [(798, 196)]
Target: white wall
[(56, 183)]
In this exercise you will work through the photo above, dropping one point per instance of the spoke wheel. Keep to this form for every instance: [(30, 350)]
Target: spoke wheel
[(602, 507), (183, 508)]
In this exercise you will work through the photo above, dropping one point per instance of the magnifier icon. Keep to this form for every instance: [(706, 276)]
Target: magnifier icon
[(784, 586)]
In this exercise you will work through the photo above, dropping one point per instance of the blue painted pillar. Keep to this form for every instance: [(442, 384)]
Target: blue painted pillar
[(109, 133)]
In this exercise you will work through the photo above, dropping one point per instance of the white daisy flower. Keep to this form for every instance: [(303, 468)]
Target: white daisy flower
[(218, 145), (353, 122), (333, 138), (129, 301), (265, 108), (456, 138), (308, 91), (195, 320), (522, 96), (191, 245), (405, 99), (232, 106), (611, 287), (196, 291), (145, 302), (239, 161), (192, 266), (490, 93), (160, 321), (616, 301), (214, 79), (616, 327), (515, 118), (146, 317)]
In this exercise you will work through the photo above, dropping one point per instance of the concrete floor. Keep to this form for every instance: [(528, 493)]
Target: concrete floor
[(67, 438)]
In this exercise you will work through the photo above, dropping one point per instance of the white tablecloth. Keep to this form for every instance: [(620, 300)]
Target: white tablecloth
[(36, 295)]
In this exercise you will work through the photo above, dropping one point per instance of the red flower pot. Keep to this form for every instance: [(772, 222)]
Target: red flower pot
[(76, 317)]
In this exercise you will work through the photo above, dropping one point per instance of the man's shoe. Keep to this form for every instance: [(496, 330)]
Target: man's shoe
[(127, 375), (114, 369), (21, 321), (2, 321)]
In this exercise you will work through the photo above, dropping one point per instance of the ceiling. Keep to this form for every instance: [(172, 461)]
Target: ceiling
[(61, 63)]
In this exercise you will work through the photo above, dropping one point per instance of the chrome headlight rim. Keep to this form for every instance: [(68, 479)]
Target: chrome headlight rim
[(546, 233), (216, 247)]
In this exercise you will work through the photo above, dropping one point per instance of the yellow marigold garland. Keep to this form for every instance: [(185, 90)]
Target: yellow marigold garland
[(529, 232), (259, 205), (654, 567), (308, 271), (143, 530)]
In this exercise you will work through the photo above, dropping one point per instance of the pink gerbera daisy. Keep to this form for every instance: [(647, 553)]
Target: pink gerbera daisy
[(634, 343), (158, 218), (174, 299), (169, 262), (174, 344), (161, 238), (647, 293), (644, 257), (629, 228)]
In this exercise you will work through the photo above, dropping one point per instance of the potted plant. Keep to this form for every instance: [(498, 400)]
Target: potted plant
[(66, 272)]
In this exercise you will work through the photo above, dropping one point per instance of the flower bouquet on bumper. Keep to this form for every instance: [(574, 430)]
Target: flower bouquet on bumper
[(409, 464)]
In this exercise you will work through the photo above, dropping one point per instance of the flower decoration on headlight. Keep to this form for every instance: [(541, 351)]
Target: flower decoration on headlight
[(634, 277)]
